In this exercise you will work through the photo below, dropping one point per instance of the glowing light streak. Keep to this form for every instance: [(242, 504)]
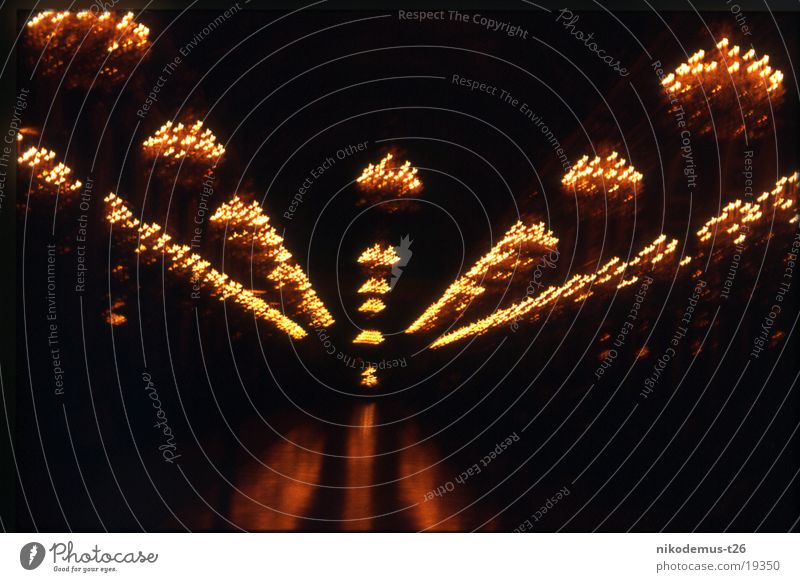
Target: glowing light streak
[(516, 249), (248, 226), (710, 79), (378, 256), (151, 240)]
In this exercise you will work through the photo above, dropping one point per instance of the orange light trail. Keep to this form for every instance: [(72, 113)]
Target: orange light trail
[(737, 221), (654, 256), (153, 241), (516, 249), (249, 225)]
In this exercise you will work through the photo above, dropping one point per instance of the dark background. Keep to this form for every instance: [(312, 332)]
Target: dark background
[(258, 419)]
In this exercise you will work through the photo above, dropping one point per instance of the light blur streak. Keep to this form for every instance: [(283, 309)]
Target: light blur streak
[(248, 225), (199, 271), (518, 248), (616, 272), (739, 219)]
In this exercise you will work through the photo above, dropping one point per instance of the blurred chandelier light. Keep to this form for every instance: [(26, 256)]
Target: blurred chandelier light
[(48, 175), (248, 227), (151, 240), (518, 248)]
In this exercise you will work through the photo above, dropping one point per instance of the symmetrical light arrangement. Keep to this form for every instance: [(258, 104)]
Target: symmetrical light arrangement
[(603, 175), (514, 253), (740, 219), (95, 45), (48, 175), (248, 229), (615, 272), (174, 142), (151, 240), (731, 80), (400, 180), (376, 261)]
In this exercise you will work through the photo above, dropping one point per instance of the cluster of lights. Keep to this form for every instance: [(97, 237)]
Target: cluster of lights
[(372, 305), (615, 273), (738, 219), (369, 336), (48, 174), (248, 226), (732, 226), (151, 240), (515, 252), (400, 180), (376, 261), (610, 174), (175, 142), (378, 256), (708, 78), (108, 44), (113, 316), (368, 377), (374, 286)]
